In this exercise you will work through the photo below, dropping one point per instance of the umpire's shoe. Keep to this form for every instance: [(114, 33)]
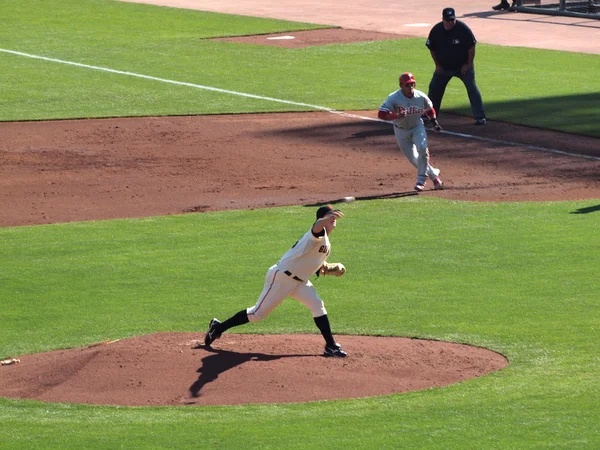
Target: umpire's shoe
[(335, 351), (212, 333)]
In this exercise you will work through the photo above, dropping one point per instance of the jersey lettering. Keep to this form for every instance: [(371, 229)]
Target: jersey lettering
[(412, 110), (306, 255)]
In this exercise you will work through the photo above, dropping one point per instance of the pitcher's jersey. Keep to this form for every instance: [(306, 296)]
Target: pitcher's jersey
[(306, 255), (415, 107)]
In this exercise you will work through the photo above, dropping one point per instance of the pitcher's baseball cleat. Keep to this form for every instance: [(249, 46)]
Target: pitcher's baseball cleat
[(212, 333), (335, 351), (437, 183), (420, 187)]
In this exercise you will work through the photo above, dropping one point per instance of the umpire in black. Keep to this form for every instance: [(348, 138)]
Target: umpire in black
[(452, 46)]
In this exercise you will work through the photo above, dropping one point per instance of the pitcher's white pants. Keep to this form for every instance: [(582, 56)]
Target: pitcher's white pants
[(277, 287), (413, 142)]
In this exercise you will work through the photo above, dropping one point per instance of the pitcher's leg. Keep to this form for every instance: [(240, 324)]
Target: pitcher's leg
[(216, 328), (237, 319), (306, 294), (277, 287), (322, 323)]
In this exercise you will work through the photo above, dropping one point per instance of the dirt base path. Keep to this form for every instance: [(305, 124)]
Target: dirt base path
[(79, 170)]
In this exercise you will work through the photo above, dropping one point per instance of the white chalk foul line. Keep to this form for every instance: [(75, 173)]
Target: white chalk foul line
[(277, 100), (164, 80)]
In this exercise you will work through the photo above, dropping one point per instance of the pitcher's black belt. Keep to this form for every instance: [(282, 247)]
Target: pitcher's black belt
[(290, 274)]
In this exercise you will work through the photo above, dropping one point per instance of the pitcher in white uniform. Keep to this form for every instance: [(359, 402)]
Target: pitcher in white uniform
[(290, 278), (404, 108)]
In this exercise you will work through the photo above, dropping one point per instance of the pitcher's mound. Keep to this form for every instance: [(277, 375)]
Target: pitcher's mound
[(175, 369), (309, 38)]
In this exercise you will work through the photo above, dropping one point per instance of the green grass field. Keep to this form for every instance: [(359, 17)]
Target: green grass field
[(518, 278), (172, 44), (460, 278)]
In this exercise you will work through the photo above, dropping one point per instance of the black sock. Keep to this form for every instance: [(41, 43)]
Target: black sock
[(323, 325), (238, 319)]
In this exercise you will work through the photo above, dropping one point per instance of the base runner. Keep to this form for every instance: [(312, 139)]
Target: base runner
[(404, 108)]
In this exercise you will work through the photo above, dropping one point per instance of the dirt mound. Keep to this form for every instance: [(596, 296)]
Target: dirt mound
[(172, 369), (308, 38)]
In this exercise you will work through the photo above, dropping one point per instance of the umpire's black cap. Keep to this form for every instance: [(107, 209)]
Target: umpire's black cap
[(323, 211), (448, 14)]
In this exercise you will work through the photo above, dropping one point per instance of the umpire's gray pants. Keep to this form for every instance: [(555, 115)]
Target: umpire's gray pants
[(438, 84)]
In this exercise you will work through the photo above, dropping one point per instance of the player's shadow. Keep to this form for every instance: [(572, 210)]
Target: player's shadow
[(223, 360), (587, 210), (366, 197), (381, 130)]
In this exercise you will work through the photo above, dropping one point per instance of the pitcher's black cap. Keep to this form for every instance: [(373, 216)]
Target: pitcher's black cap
[(323, 210)]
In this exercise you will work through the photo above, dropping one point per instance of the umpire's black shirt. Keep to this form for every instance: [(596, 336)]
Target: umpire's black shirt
[(451, 47)]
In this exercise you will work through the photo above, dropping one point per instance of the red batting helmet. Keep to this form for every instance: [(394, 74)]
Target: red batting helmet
[(407, 77)]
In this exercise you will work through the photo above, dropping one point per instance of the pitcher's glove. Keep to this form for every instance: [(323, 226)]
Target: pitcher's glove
[(335, 269)]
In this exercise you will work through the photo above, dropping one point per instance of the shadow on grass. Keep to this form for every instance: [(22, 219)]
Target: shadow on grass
[(500, 16), (366, 197), (587, 210), (573, 114)]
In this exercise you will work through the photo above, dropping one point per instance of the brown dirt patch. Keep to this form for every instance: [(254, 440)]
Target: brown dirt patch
[(76, 170), (299, 39), (169, 369)]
